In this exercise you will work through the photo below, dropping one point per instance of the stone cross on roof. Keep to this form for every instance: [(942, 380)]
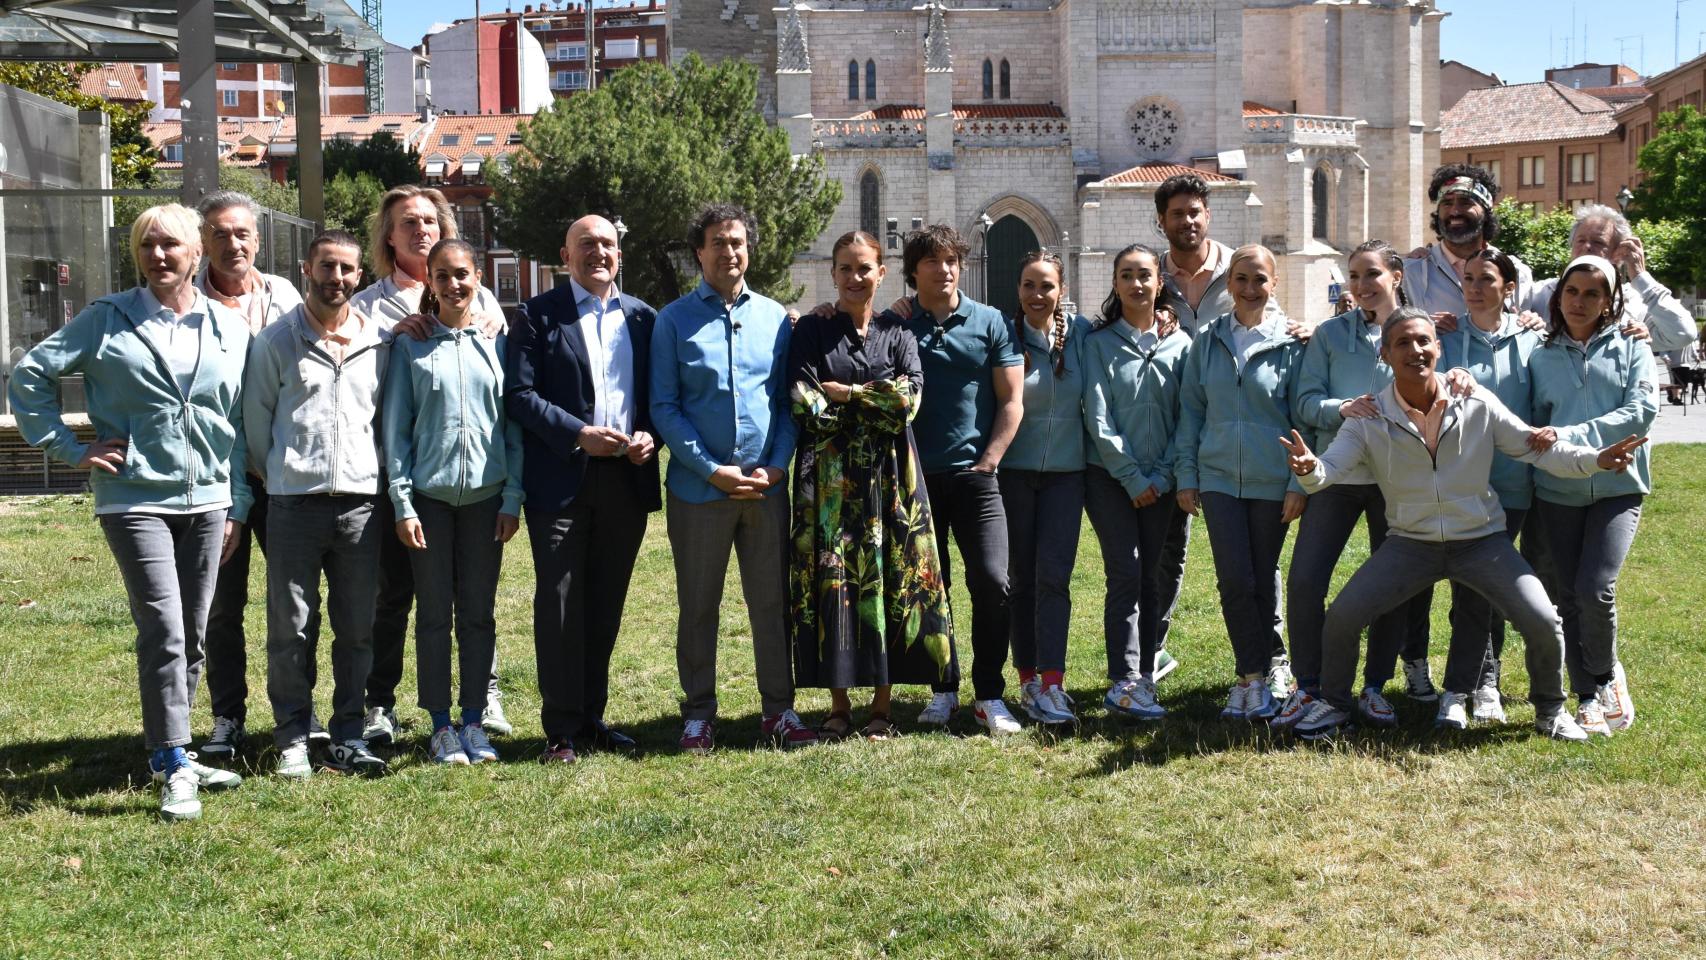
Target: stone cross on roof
[(937, 54), (792, 54)]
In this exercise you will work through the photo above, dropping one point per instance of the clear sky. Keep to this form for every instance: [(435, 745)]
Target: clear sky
[(1517, 39)]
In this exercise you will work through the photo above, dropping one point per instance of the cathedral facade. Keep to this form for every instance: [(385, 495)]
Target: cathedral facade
[(1048, 123)]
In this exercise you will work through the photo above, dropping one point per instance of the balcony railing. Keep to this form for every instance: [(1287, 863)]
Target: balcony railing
[(846, 134), (1301, 130), (992, 132)]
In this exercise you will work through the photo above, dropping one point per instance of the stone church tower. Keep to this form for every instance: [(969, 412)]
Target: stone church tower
[(1048, 123)]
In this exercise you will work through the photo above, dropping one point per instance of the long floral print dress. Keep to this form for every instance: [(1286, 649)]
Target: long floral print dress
[(868, 603)]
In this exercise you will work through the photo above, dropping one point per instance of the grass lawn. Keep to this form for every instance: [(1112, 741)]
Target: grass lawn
[(1192, 837)]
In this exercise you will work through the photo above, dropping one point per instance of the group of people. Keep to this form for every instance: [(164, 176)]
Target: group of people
[(391, 440)]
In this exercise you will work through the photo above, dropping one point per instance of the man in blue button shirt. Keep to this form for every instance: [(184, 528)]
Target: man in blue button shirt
[(972, 402), (719, 401)]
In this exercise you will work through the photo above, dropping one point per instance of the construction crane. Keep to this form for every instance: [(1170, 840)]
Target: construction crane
[(375, 74)]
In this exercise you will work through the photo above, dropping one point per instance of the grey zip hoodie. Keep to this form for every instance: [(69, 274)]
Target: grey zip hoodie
[(312, 423), (1445, 495)]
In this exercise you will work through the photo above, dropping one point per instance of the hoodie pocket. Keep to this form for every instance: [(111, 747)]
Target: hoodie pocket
[(307, 460), (215, 438), (158, 449)]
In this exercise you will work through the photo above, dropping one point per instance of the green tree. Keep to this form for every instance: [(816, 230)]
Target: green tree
[(381, 156), (133, 154), (652, 145), (1674, 189), (1542, 240), (351, 200)]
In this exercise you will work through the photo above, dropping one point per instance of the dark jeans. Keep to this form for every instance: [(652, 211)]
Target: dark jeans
[(1321, 537), (1588, 546), (340, 536), (1402, 566), (168, 562), (1172, 572), (227, 644), (1246, 536), (1045, 512), (583, 558), (1134, 543), (1477, 632), (967, 504), (456, 581)]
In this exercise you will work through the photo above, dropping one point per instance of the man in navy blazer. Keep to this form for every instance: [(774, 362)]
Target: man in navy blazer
[(577, 379)]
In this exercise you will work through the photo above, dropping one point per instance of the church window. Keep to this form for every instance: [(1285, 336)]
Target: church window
[(1156, 127), (988, 80), (1318, 203), (852, 79), (870, 202), (870, 79), (1006, 81)]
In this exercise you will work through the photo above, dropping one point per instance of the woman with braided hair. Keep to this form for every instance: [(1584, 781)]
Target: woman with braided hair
[(1042, 487)]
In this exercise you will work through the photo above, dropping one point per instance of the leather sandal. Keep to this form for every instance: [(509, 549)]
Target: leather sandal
[(837, 726), (880, 727)]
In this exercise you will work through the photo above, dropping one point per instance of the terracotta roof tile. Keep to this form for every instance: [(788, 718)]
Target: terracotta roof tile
[(114, 81), (1254, 109), (964, 111), (469, 129), (1524, 113), (1155, 173)]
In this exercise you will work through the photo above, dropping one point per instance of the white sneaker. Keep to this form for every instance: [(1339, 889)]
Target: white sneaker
[(476, 746), (1453, 713), (1165, 663), (1487, 705), (1135, 698), (293, 761), (1376, 709), (227, 738), (206, 777), (316, 731), (1321, 721), (1295, 708), (1590, 716), (1280, 682), (940, 709), (1238, 700), (1055, 707), (1030, 695), (379, 727), (178, 800), (1614, 699), (1559, 725), (447, 747), (1418, 682), (493, 719), (995, 718)]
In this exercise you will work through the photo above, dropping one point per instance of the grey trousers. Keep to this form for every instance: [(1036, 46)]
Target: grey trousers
[(337, 535), (1172, 573), (1588, 546), (169, 563), (1488, 565), (1045, 513), (456, 580), (1246, 536), (701, 536), (1134, 543), (1477, 633)]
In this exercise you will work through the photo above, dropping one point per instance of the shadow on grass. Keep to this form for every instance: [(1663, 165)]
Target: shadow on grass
[(39, 773)]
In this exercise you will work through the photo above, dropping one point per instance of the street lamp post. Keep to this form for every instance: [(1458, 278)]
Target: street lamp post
[(984, 223), (621, 235), (1624, 198)]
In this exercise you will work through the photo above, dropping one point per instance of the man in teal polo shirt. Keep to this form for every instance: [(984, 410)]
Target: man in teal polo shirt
[(973, 384)]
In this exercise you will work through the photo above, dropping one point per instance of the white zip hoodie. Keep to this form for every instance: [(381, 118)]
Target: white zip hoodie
[(1445, 495)]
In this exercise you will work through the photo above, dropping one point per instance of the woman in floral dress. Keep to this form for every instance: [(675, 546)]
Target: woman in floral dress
[(868, 604)]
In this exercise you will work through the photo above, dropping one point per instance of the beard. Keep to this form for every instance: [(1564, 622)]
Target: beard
[(1468, 232)]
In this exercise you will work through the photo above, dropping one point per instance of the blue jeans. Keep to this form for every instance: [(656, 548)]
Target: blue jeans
[(1134, 542), (1045, 512), (1588, 546), (169, 563), (1246, 536), (337, 535)]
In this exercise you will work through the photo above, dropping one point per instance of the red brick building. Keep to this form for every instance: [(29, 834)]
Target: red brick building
[(1685, 85), (456, 155), (1545, 143), (257, 90), (625, 35)]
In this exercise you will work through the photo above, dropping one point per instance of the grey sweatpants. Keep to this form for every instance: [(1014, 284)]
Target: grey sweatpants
[(1588, 546), (169, 563), (701, 536), (1488, 565)]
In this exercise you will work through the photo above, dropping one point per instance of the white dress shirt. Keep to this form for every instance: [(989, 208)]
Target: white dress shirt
[(610, 353)]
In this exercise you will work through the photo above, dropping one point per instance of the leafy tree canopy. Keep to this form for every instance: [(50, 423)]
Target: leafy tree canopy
[(133, 154), (1674, 189), (1542, 240), (653, 144), (382, 156)]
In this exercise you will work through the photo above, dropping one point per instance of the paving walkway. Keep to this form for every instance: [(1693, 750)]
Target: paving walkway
[(1673, 426)]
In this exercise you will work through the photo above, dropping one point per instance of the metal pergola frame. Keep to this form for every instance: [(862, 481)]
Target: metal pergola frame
[(199, 35)]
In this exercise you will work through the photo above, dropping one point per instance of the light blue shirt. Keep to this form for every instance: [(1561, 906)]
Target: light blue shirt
[(610, 354), (719, 389)]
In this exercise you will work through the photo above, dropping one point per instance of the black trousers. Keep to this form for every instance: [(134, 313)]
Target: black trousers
[(967, 504), (390, 610), (583, 559), (227, 666)]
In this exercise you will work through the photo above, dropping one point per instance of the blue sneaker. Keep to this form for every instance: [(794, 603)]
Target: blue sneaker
[(1135, 698)]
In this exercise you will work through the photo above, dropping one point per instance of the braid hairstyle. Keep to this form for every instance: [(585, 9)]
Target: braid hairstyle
[(1112, 312), (1058, 349), (1389, 259)]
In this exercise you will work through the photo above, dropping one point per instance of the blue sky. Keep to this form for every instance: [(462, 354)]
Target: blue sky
[(1517, 39)]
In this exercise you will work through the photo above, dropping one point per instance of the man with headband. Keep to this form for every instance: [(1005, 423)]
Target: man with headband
[(1464, 221)]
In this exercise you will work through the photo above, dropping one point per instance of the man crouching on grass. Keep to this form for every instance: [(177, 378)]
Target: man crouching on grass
[(1431, 454)]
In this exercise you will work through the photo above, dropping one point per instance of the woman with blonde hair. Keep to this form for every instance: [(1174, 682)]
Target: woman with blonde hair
[(162, 371)]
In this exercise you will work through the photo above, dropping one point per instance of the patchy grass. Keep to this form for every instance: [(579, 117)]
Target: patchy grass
[(1188, 838)]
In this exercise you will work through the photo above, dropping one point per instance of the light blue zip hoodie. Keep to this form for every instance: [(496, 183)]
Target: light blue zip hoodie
[(446, 433), (1051, 435), (1596, 397), (183, 450), (1341, 362), (1230, 421), (1499, 363), (1131, 408)]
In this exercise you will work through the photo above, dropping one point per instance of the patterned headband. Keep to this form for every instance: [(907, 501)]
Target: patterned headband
[(1470, 186)]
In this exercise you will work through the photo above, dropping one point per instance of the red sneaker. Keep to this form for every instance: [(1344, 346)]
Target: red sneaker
[(696, 736), (788, 732)]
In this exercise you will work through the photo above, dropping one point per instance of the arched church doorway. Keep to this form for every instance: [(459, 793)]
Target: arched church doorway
[(1007, 243)]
